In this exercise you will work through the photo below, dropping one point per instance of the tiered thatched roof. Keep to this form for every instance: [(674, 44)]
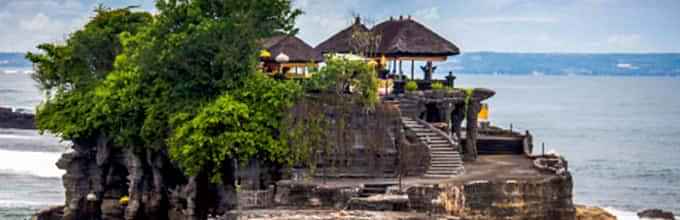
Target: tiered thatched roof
[(297, 50), (406, 37), (403, 37), (340, 42)]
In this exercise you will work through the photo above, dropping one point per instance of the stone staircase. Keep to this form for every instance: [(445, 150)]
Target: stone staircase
[(445, 158)]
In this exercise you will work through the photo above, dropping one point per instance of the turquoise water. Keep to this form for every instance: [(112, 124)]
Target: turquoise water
[(621, 136)]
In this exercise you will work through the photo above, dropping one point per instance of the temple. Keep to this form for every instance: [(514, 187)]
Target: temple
[(289, 56), (423, 148)]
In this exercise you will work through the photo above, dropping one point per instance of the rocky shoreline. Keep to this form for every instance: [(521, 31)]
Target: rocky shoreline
[(9, 118)]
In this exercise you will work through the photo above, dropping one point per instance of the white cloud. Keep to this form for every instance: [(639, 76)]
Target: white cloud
[(321, 19), (36, 23)]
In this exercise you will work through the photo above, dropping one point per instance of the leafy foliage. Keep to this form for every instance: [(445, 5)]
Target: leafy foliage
[(344, 76), (73, 70), (242, 123), (437, 86), (411, 86), (182, 80)]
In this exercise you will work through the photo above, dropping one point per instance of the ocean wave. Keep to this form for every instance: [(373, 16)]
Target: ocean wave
[(625, 215), (16, 71), (41, 164), (9, 91)]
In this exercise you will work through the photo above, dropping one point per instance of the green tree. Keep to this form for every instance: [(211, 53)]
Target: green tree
[(70, 72), (182, 80)]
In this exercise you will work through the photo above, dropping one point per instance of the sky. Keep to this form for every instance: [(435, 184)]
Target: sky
[(565, 26)]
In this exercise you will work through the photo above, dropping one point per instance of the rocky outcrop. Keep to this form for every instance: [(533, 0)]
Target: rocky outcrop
[(549, 198), (51, 213), (13, 119), (656, 214), (592, 213), (99, 175), (527, 199)]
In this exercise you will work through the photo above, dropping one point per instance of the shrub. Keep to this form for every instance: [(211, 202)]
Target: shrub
[(437, 86), (411, 86)]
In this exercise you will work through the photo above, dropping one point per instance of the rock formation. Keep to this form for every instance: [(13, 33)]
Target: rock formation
[(98, 175), (656, 214), (13, 119), (592, 213)]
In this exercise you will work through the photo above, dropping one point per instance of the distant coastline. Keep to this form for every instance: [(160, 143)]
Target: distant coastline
[(505, 63)]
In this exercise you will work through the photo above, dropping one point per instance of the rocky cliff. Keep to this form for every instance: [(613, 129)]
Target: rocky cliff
[(106, 182)]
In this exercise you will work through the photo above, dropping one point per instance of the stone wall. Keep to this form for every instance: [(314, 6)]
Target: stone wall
[(526, 199), (301, 195)]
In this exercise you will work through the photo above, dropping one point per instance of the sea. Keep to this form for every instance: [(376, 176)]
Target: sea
[(621, 136)]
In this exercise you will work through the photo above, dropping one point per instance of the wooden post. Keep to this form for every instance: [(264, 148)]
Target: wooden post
[(471, 131), (413, 64), (394, 66), (401, 72)]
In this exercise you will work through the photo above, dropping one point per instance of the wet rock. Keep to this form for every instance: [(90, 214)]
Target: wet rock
[(656, 214), (592, 213), (51, 213), (9, 118), (99, 174)]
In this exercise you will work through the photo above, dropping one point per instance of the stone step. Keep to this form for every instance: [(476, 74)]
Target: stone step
[(445, 170), (442, 153), (431, 134), (442, 146), (435, 176), (438, 140), (444, 174), (446, 164), (410, 124), (434, 136), (444, 156), (444, 160)]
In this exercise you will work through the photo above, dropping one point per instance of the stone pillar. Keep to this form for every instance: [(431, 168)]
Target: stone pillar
[(413, 65), (471, 131), (457, 117)]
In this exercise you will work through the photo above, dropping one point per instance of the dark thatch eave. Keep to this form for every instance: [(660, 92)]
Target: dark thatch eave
[(406, 37), (340, 42), (296, 49)]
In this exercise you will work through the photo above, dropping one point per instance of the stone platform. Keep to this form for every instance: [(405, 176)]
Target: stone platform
[(494, 187)]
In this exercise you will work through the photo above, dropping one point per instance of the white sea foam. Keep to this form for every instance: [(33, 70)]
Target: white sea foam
[(625, 215), (40, 164)]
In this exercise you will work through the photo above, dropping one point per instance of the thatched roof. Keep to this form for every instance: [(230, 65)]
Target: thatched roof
[(402, 37), (406, 37), (340, 42), (297, 50)]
